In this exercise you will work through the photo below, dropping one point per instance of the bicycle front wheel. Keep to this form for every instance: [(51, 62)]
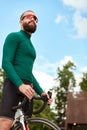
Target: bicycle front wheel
[(17, 126), (41, 124)]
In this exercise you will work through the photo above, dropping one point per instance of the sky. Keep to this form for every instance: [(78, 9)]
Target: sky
[(61, 34)]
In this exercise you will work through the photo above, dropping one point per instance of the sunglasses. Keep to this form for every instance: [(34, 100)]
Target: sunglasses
[(30, 16)]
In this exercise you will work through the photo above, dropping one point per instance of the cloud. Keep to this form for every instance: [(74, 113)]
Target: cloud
[(65, 61), (45, 80), (84, 69), (45, 65), (79, 18), (80, 5), (0, 60), (45, 72), (60, 18), (80, 25)]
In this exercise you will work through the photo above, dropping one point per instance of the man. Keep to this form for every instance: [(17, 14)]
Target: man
[(17, 62)]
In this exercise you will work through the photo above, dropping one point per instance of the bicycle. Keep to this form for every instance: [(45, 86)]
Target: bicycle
[(22, 122)]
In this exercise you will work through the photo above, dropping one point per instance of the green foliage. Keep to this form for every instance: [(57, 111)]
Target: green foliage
[(39, 126), (83, 83), (65, 75), (66, 81), (2, 77)]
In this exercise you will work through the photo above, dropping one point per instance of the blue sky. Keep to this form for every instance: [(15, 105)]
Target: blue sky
[(61, 34)]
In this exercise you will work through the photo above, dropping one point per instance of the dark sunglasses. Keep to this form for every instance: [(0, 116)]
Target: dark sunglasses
[(30, 16)]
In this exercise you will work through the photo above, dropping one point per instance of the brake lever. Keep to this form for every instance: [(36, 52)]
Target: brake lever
[(50, 94)]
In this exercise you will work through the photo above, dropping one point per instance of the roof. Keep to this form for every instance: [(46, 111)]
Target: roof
[(77, 108)]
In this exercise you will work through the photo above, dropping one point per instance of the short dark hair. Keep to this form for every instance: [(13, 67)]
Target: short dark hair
[(22, 15)]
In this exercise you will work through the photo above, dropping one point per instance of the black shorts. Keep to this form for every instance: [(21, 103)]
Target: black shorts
[(10, 97)]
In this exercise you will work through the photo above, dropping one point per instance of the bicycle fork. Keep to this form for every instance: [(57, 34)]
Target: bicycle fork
[(26, 127)]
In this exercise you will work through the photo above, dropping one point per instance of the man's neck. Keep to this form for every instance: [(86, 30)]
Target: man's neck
[(26, 31)]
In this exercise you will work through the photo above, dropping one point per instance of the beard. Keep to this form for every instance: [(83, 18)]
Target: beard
[(30, 28)]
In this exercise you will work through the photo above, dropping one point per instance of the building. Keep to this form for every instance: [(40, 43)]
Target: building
[(76, 113)]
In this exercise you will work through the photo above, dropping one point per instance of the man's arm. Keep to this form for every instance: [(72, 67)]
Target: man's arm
[(9, 50)]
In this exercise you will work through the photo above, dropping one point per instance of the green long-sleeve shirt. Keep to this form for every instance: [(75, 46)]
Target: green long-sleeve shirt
[(18, 59)]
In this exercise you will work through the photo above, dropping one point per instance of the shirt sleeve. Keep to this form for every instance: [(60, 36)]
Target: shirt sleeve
[(37, 87), (9, 50)]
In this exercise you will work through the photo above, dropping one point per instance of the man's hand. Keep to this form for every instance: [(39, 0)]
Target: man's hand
[(50, 100), (27, 90)]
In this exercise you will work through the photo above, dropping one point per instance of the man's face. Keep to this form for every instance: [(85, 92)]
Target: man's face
[(29, 22)]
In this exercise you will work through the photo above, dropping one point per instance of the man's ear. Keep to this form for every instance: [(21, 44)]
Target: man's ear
[(21, 21)]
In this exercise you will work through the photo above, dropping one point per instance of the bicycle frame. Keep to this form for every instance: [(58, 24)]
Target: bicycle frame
[(19, 116)]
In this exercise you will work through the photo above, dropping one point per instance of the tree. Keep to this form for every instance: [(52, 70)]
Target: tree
[(2, 77), (65, 80), (83, 83)]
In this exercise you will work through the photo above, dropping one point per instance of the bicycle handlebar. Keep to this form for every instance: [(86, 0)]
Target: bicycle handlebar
[(43, 98)]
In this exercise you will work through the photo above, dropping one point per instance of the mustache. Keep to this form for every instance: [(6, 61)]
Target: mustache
[(30, 21)]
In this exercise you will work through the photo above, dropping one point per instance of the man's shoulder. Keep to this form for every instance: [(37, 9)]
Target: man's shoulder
[(14, 35)]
